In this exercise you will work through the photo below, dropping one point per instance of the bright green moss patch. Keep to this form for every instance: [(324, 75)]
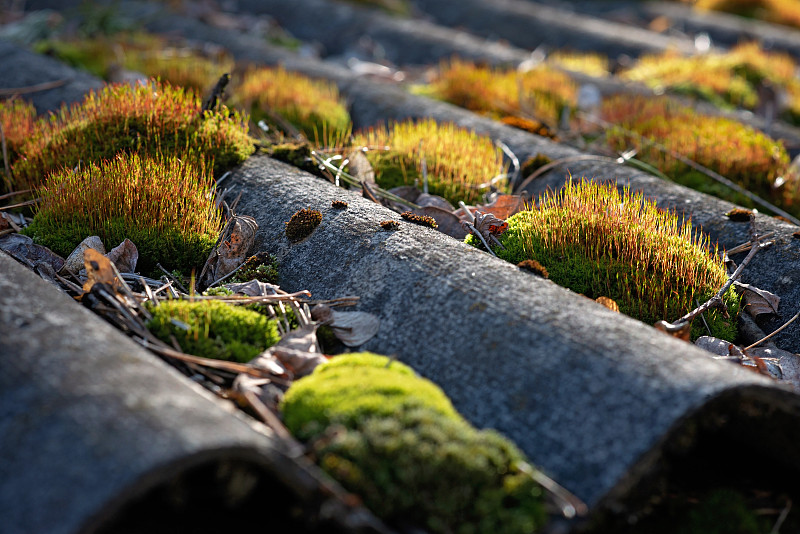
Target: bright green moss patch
[(394, 439), (736, 151), (262, 267), (213, 329), (598, 241), (156, 119), (165, 207), (460, 163), (312, 106)]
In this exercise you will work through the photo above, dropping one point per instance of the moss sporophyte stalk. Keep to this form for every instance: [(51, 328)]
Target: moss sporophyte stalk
[(165, 207), (460, 164), (155, 119), (599, 241), (395, 440)]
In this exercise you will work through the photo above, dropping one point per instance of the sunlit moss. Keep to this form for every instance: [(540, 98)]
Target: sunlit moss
[(312, 106), (599, 241), (154, 119), (165, 207), (460, 164), (395, 440), (740, 153)]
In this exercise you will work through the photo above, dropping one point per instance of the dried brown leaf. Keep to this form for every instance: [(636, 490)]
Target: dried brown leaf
[(253, 288), (503, 207), (98, 270), (608, 303), (354, 328), (758, 301), (425, 200), (360, 168), (683, 331), (235, 243)]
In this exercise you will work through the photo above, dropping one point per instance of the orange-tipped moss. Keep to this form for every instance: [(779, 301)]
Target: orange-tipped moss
[(165, 207), (422, 220), (19, 122), (312, 106), (726, 79), (458, 160), (153, 119), (541, 93), (786, 12), (736, 151), (599, 241)]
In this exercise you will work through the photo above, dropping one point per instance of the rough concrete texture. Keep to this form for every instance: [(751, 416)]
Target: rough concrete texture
[(515, 352), (89, 421), (22, 69)]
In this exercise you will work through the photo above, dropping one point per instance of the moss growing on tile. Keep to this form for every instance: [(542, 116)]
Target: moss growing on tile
[(394, 439), (302, 223), (740, 153), (599, 241), (727, 79), (155, 119), (542, 93), (460, 164), (213, 329), (312, 106), (165, 207), (19, 122)]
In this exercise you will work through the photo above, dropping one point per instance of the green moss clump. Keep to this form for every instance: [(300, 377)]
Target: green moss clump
[(312, 106), (460, 163), (165, 207), (18, 118), (736, 151), (598, 241), (262, 267), (213, 329), (302, 223), (395, 439), (155, 119)]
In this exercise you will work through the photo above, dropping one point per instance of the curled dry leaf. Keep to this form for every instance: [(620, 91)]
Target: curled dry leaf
[(608, 303), (354, 328), (297, 352), (99, 270), (788, 362), (425, 200), (351, 328), (253, 288), (27, 252), (502, 207), (681, 330), (757, 301), (719, 347), (235, 242), (360, 168), (124, 256)]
